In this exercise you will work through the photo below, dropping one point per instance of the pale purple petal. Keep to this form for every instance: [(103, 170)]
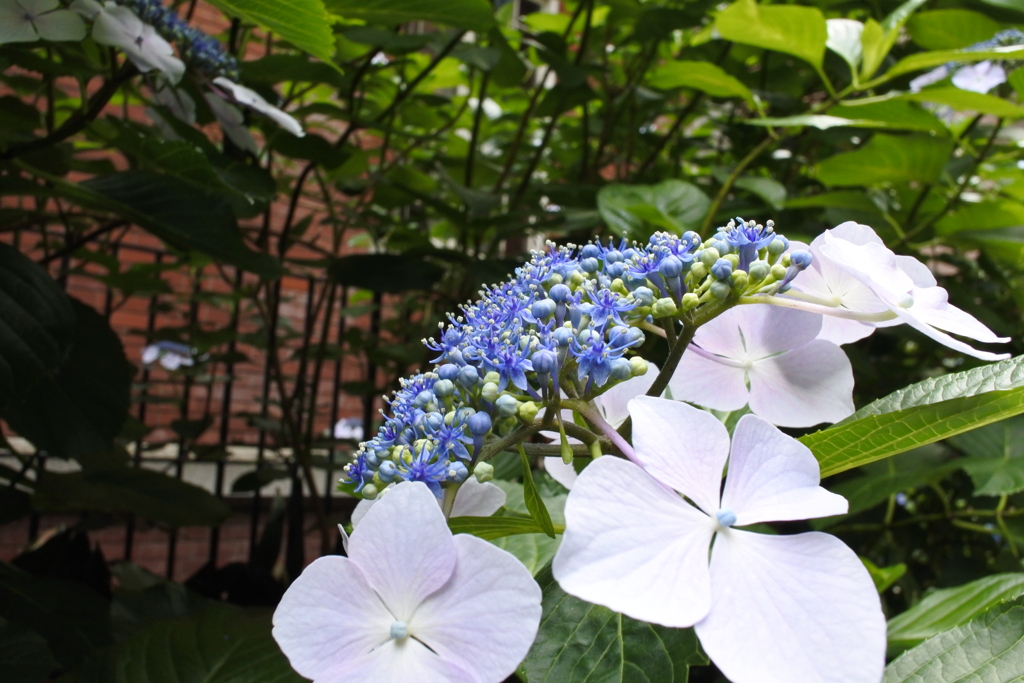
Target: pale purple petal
[(14, 27), (757, 331), (789, 609), (614, 403), (564, 474), (931, 305), (634, 546), (980, 77), (253, 100), (926, 79), (485, 618), (60, 25), (946, 340), (404, 547), (361, 508), (840, 331), (399, 661), (709, 380), (774, 478), (804, 387), (121, 28), (474, 499), (330, 618), (919, 273), (681, 446), (231, 122)]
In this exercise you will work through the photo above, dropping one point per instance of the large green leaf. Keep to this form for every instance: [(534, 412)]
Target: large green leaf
[(219, 645), (471, 14), (671, 205), (891, 113), (989, 648), (703, 76), (995, 457), (871, 438), (36, 324), (534, 550), (77, 412), (794, 30), (947, 608), (927, 60), (491, 528), (73, 620), (583, 643), (965, 100), (951, 29), (877, 39), (148, 494), (888, 158), (1006, 374), (303, 23)]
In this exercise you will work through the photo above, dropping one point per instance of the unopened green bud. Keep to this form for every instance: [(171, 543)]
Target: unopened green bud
[(759, 270), (484, 472), (528, 411), (664, 308), (369, 492), (720, 290), (577, 279), (779, 271), (638, 365), (734, 259), (619, 287), (507, 405), (776, 247), (709, 256), (449, 417), (489, 392), (492, 377), (595, 449), (553, 279), (739, 280), (699, 271), (786, 260), (690, 301)]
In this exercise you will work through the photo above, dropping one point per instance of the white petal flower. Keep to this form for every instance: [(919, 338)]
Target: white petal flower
[(980, 77), (909, 294), (349, 428), (250, 98), (171, 355), (614, 407), (768, 357), (410, 603), (232, 122), (767, 609), (25, 21), (121, 28)]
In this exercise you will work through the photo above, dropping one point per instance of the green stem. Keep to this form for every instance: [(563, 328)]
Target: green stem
[(733, 177)]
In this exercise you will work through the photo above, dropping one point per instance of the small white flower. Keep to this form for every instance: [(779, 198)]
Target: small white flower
[(121, 28), (349, 428), (980, 77), (909, 294), (770, 358), (232, 122), (250, 98), (410, 604), (26, 21), (171, 355), (767, 609), (933, 76)]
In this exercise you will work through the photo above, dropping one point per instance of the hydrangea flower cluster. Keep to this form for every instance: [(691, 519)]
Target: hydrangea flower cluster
[(563, 326), (198, 49)]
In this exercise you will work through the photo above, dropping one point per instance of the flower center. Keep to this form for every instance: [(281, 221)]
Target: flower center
[(399, 630), (726, 518), (906, 301)]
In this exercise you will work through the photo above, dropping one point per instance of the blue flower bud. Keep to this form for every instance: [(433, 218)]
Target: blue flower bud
[(726, 517), (564, 336), (372, 460), (464, 413), (423, 398), (507, 405), (434, 420), (800, 259), (589, 265), (458, 472), (387, 471), (621, 370), (448, 371), (545, 308), (644, 296), (479, 424), (721, 270), (468, 376), (720, 290), (613, 256), (591, 251), (544, 362), (615, 270), (444, 387), (560, 293), (670, 267)]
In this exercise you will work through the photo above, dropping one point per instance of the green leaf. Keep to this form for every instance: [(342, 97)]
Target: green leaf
[(533, 550), (74, 620), (951, 29), (884, 576), (996, 457), (855, 443), (148, 494), (947, 608), (965, 100), (671, 205), (819, 121), (844, 39), (703, 76), (36, 324), (303, 23), (389, 273), (1006, 374), (78, 412), (891, 113), (170, 209), (794, 30), (583, 643), (888, 158), (534, 503), (877, 39), (490, 528), (219, 645), (927, 60), (475, 15), (26, 657), (771, 191)]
